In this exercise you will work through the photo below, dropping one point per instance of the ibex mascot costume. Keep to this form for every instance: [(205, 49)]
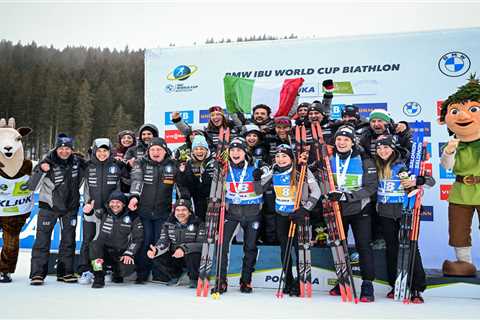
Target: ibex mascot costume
[(16, 201)]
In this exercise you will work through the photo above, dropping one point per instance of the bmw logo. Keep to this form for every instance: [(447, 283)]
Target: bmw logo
[(127, 219), (412, 109), (454, 64), (3, 187), (169, 88), (182, 72), (112, 170)]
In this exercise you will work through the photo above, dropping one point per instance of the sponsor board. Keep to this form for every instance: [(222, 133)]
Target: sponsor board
[(444, 191), (174, 136), (187, 116), (426, 214)]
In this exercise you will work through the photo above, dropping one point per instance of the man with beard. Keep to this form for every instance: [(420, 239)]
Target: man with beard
[(146, 133), (381, 123)]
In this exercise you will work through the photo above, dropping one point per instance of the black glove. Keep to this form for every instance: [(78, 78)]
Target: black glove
[(420, 181), (257, 174), (337, 196), (299, 215)]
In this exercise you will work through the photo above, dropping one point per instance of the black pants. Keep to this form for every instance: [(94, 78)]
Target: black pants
[(170, 267), (283, 226), (111, 256), (390, 229), (46, 221), (362, 232), (151, 233), (268, 223), (90, 225), (251, 230)]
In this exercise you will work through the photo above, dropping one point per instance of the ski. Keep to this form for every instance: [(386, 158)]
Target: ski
[(333, 218), (215, 205), (401, 290)]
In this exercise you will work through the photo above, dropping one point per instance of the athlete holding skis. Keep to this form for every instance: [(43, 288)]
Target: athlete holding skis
[(390, 197), (283, 178), (243, 200), (355, 180)]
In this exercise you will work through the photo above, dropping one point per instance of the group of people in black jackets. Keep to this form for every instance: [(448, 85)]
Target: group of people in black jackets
[(144, 207)]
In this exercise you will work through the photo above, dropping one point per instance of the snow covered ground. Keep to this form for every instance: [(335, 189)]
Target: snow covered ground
[(57, 300)]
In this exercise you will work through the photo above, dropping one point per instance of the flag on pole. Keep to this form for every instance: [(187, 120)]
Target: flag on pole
[(242, 94)]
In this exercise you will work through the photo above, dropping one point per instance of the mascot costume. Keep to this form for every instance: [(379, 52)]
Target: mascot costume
[(16, 201), (461, 113)]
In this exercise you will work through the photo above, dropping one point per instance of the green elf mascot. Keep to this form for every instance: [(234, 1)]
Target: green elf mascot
[(461, 113)]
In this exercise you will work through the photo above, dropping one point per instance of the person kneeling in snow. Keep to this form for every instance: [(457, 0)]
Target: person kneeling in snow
[(180, 245), (119, 238)]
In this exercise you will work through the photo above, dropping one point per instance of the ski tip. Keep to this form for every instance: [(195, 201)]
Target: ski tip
[(356, 300), (216, 296), (406, 301), (279, 295)]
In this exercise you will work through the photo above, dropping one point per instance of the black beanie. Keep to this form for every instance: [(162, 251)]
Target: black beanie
[(238, 143), (285, 148), (346, 131), (184, 203), (351, 110), (64, 141), (158, 142), (387, 140), (118, 195)]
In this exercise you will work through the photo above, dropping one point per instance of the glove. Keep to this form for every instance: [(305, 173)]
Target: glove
[(337, 196), (257, 174), (299, 215)]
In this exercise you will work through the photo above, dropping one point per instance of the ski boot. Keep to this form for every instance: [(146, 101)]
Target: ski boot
[(116, 278), (294, 289), (335, 291), (69, 278), (367, 292), (245, 287), (36, 281), (86, 278), (5, 277), (416, 297), (391, 294), (222, 287), (99, 280)]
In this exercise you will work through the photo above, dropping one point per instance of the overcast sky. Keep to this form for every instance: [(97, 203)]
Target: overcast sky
[(157, 23)]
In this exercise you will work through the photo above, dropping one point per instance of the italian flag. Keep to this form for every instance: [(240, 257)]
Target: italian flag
[(242, 94)]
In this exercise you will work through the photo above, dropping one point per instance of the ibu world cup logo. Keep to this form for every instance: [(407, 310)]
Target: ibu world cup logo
[(182, 72), (454, 64)]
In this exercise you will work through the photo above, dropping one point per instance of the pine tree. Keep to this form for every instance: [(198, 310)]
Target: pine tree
[(83, 120)]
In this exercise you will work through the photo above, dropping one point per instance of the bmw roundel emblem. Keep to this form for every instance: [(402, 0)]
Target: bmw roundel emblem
[(112, 170), (454, 64), (412, 109)]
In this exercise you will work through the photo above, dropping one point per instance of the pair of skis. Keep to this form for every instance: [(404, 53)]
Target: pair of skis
[(410, 220), (214, 219), (333, 218), (304, 254)]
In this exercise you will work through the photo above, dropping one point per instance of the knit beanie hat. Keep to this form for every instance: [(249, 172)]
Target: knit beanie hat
[(215, 108), (286, 149), (184, 203), (346, 131), (380, 114), (351, 110), (118, 195), (386, 140), (283, 121), (64, 141), (238, 143), (158, 142), (199, 141)]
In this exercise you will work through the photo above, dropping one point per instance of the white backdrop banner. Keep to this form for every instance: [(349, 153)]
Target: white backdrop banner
[(407, 74)]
